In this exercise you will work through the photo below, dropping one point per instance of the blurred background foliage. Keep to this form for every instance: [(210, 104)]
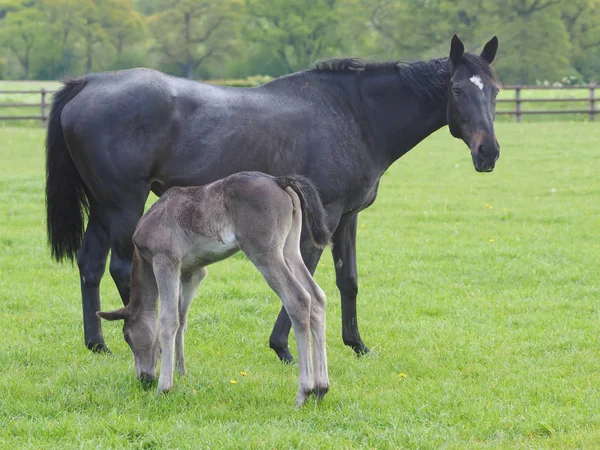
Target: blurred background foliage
[(540, 40)]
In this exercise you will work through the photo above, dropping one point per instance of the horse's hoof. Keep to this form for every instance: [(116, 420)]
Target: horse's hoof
[(361, 350), (98, 347), (284, 355)]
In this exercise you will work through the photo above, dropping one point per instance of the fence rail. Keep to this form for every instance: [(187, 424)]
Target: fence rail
[(518, 101), (43, 105), (518, 111)]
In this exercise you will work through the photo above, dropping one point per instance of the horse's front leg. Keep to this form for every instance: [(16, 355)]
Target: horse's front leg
[(346, 278)]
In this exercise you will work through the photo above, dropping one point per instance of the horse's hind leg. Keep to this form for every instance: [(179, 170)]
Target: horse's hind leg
[(91, 260), (189, 286), (122, 222)]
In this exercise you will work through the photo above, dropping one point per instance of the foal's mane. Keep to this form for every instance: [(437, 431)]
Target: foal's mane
[(429, 78)]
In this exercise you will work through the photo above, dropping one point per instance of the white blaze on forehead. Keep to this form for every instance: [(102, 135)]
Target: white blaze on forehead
[(476, 80)]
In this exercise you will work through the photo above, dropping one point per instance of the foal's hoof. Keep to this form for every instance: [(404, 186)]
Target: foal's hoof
[(98, 347), (301, 399), (320, 392)]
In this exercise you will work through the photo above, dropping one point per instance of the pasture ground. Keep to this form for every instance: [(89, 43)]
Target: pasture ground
[(479, 295)]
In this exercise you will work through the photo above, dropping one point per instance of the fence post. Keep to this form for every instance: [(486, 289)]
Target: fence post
[(518, 103), (44, 118), (592, 102)]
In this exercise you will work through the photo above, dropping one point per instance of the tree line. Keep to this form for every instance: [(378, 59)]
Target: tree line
[(540, 40)]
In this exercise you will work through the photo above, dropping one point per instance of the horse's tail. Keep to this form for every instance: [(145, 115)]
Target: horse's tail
[(312, 207), (67, 203)]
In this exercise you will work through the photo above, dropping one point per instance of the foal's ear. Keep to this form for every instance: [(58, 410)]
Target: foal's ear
[(489, 51), (457, 49), (118, 314)]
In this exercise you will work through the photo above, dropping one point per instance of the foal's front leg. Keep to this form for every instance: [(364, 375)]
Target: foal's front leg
[(167, 280), (189, 286)]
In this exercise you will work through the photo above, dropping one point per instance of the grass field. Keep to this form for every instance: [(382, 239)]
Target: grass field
[(479, 294)]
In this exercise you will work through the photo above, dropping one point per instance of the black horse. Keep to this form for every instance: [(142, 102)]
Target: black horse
[(114, 137)]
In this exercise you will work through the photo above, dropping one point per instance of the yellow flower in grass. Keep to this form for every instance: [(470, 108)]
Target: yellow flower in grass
[(491, 240), (233, 382), (402, 375), (244, 374)]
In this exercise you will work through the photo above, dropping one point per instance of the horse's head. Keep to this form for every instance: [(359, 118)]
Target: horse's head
[(140, 333), (472, 102)]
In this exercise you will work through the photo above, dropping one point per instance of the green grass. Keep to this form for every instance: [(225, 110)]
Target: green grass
[(481, 288)]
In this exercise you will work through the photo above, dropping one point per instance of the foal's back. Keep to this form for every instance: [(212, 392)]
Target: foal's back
[(202, 225)]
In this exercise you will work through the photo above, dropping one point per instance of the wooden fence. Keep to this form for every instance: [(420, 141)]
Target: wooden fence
[(43, 105), (518, 111)]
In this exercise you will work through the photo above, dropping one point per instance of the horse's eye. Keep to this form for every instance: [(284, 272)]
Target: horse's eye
[(456, 89)]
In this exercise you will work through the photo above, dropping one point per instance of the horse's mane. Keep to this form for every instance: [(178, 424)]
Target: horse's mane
[(429, 78)]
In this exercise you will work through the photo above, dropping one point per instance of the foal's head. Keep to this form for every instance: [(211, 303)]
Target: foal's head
[(472, 102), (140, 330)]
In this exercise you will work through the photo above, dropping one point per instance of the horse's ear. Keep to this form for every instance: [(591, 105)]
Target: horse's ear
[(457, 49), (118, 314), (489, 51)]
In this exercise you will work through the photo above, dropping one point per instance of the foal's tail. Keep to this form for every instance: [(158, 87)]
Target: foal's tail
[(312, 208), (66, 200)]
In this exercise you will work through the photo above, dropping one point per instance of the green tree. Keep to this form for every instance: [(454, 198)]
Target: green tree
[(124, 27), (534, 42), (582, 21), (413, 29), (21, 30), (188, 33), (296, 32)]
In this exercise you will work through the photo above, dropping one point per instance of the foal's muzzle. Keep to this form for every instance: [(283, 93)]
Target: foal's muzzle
[(146, 379)]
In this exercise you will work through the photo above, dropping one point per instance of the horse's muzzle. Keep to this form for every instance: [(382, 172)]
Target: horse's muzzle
[(485, 153)]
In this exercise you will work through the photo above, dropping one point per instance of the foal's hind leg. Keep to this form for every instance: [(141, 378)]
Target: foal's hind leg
[(293, 258), (91, 260), (296, 301), (189, 286), (267, 255), (278, 340)]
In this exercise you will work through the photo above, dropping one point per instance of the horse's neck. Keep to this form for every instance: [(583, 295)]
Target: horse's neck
[(399, 117)]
